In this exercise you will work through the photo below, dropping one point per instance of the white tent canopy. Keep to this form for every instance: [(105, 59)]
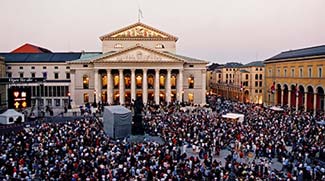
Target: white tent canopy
[(274, 108), (234, 116), (11, 116)]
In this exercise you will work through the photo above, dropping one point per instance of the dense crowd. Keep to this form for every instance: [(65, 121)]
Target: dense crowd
[(80, 149)]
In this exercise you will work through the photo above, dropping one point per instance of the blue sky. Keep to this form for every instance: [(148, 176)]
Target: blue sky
[(214, 30)]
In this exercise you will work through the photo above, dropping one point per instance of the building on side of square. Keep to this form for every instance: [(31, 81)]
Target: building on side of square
[(296, 79)]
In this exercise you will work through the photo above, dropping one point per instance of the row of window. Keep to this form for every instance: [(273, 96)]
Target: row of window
[(49, 91), (256, 91), (44, 67), (33, 75), (49, 102), (292, 73)]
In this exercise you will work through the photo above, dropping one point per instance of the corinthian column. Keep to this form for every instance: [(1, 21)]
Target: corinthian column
[(96, 87), (180, 85), (168, 88), (109, 87), (122, 87), (157, 86), (145, 87)]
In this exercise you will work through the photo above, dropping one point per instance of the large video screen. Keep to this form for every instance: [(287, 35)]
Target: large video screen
[(19, 97)]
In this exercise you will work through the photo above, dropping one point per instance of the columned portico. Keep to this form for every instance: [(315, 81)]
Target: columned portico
[(121, 87), (297, 102), (157, 86), (305, 103), (289, 98), (203, 87)]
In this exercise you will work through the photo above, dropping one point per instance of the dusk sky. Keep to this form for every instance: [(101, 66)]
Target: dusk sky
[(214, 30)]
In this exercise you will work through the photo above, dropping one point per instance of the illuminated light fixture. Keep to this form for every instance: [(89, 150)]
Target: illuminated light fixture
[(16, 104), (24, 104), (16, 94)]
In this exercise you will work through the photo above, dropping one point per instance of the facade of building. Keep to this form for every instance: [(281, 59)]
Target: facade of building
[(296, 79), (239, 82), (137, 61)]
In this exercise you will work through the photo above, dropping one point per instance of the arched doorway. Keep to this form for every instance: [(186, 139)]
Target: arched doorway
[(278, 93), (310, 98), (320, 105), (301, 95), (285, 94), (293, 95)]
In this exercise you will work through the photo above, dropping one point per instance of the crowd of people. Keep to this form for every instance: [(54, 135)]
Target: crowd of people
[(80, 149)]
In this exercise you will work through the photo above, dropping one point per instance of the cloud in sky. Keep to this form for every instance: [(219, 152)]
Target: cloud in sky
[(214, 30)]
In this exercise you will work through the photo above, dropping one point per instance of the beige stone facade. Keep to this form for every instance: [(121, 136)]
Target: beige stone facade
[(137, 61), (243, 83), (296, 79)]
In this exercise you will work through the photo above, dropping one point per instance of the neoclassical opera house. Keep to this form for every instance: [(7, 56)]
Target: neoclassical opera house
[(137, 61)]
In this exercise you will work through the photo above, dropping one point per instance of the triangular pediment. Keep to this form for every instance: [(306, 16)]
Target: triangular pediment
[(138, 54), (138, 31)]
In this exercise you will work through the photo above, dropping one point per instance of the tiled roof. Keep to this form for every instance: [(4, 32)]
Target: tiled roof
[(305, 52), (39, 57), (232, 65), (29, 48), (188, 59), (254, 64)]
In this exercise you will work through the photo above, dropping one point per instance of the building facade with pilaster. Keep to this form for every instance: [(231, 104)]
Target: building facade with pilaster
[(296, 79)]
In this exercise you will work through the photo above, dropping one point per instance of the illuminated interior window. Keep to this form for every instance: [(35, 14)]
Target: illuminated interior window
[(85, 81), (160, 46), (116, 81), (118, 45), (151, 82), (138, 81), (127, 81), (173, 81), (86, 97), (190, 97), (162, 79), (104, 82), (191, 82)]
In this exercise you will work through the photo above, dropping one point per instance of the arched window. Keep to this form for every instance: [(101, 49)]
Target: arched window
[(256, 76), (85, 81), (160, 46), (191, 82), (118, 45), (247, 76), (261, 76)]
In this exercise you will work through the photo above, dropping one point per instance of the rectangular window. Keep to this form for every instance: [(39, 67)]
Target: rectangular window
[(309, 72), (261, 84), (44, 67), (67, 75), (300, 72), (9, 68), (49, 102), (86, 97), (256, 84), (46, 91), (260, 90), (256, 91), (85, 65), (285, 73), (56, 75), (219, 76), (9, 75), (33, 68), (50, 91), (270, 72), (57, 102), (54, 91), (21, 75), (33, 75), (191, 65), (320, 72)]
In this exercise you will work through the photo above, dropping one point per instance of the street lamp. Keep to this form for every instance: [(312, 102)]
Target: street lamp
[(69, 100)]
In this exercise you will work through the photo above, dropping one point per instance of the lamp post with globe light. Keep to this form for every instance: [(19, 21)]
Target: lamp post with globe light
[(69, 100)]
